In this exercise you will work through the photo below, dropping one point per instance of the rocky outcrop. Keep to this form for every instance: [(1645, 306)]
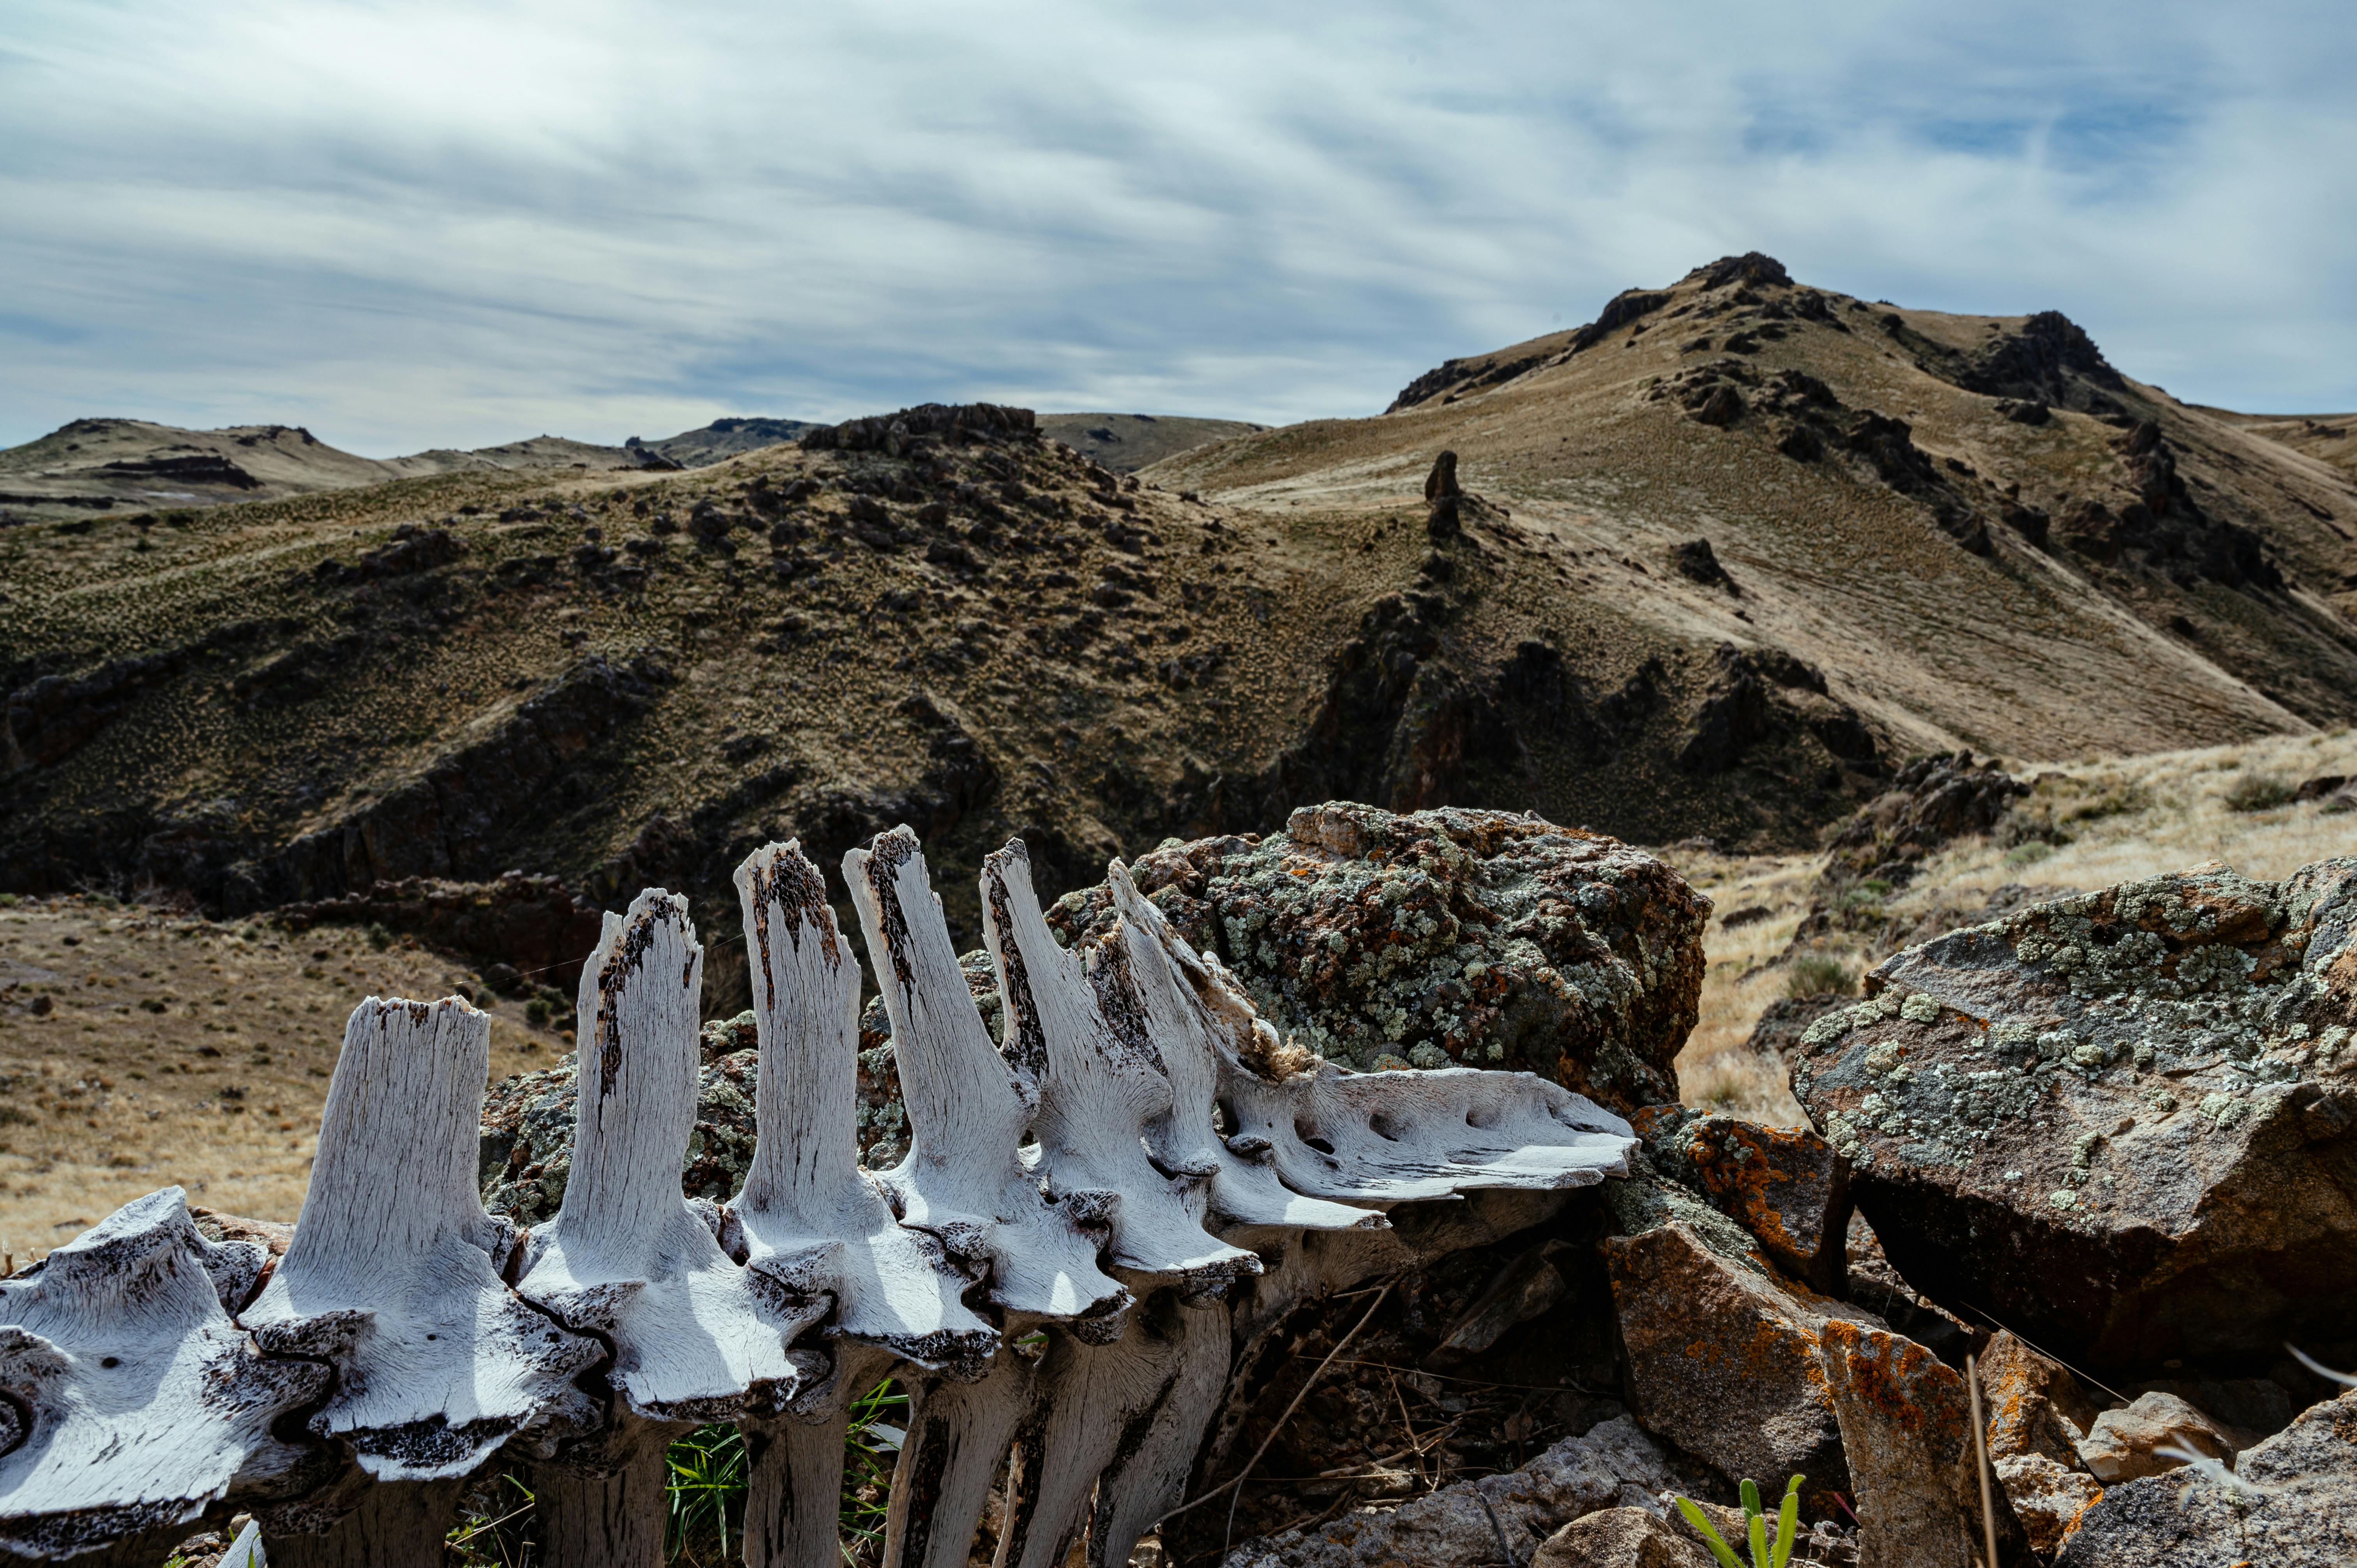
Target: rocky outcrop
[(2155, 520), (898, 435), (50, 719), (2049, 360), (1614, 1465), (1433, 939), (1804, 420), (1695, 562), (1933, 802), (2290, 1502), (468, 811), (1760, 695), (2123, 1124), (1629, 305)]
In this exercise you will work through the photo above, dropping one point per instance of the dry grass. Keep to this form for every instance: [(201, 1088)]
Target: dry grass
[(2124, 817), (1717, 1071), (139, 1049), (2139, 816)]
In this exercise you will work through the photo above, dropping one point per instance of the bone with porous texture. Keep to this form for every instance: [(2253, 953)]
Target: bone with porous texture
[(147, 1403), (393, 1275)]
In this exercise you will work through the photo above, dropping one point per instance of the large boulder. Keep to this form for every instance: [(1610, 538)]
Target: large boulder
[(2122, 1124), (1444, 938), (2290, 1502)]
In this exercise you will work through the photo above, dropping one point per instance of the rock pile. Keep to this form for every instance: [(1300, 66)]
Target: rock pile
[(2119, 1130)]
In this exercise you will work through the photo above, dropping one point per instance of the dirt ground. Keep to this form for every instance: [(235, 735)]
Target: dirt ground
[(139, 1049)]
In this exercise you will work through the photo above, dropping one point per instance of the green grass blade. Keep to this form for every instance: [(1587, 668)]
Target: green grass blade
[(1758, 1524), (1788, 1525), (1719, 1547), (1750, 1500)]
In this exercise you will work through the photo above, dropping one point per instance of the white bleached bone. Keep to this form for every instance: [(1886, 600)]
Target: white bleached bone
[(1043, 1186), (147, 1403), (1192, 1011), (393, 1277), (964, 1179), (1079, 1028), (955, 1450), (807, 1217), (1112, 1433), (694, 1337), (1382, 1138)]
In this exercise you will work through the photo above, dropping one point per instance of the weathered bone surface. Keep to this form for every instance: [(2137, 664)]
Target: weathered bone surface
[(694, 1337), (1080, 1028), (145, 1401), (1119, 1177), (965, 1179), (393, 1278)]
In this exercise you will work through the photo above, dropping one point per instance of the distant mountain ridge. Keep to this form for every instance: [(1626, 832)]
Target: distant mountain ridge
[(103, 465)]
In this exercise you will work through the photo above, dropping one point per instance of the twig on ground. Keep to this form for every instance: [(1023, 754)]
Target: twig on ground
[(1237, 1484), (1409, 1427), (1980, 1456), (1501, 1528)]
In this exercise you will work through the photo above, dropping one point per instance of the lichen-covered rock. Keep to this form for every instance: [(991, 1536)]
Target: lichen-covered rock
[(1444, 937), (2123, 1123), (2291, 1502), (1906, 1431), (1615, 1464), (1721, 1359), (1785, 1186), (2049, 1497), (527, 1149), (2035, 1405)]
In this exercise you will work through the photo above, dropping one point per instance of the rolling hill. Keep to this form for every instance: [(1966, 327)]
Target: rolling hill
[(1734, 552)]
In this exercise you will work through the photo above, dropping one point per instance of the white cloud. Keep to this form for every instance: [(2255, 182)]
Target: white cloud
[(413, 224)]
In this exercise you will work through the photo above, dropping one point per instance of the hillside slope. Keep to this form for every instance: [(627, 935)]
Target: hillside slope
[(1128, 442), (1977, 529), (941, 617)]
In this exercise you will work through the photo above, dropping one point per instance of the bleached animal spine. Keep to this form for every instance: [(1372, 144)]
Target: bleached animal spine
[(1050, 1269)]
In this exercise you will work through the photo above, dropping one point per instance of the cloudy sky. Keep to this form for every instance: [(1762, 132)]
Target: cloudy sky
[(407, 224)]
